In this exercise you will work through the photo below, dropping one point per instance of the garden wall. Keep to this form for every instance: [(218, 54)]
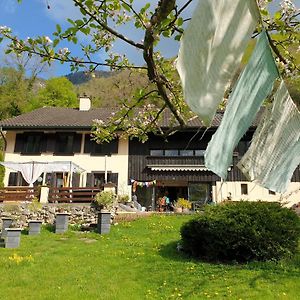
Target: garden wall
[(83, 215)]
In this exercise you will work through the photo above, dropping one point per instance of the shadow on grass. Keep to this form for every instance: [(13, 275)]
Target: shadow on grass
[(49, 227), (25, 231), (169, 251), (288, 267)]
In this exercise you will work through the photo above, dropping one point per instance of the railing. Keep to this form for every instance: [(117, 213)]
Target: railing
[(72, 194), (174, 160), (18, 194)]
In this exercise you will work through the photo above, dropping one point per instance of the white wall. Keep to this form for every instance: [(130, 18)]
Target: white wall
[(255, 192), (116, 163)]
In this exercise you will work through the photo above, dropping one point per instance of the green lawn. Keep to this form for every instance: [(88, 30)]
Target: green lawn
[(138, 260)]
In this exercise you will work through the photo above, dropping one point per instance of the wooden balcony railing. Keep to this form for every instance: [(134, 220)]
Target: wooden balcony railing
[(72, 194), (18, 194)]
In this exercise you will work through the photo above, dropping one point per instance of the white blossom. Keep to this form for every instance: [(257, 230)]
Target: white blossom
[(48, 40)]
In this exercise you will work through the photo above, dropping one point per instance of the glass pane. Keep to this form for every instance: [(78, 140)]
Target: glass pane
[(200, 192), (199, 152), (171, 152), (186, 152), (156, 152)]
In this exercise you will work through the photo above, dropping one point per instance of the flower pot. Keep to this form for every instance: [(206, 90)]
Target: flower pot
[(6, 223), (61, 222), (34, 227), (103, 225), (13, 237), (178, 209)]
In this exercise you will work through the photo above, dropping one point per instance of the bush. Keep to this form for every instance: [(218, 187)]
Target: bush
[(104, 199), (242, 231)]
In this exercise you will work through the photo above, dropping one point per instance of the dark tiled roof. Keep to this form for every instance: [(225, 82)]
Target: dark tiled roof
[(55, 118), (69, 118)]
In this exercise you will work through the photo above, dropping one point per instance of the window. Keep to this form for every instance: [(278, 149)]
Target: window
[(97, 179), (90, 146), (186, 152), (177, 152), (64, 143), (271, 192), (156, 152), (244, 189), (29, 143), (67, 143), (171, 152), (199, 152)]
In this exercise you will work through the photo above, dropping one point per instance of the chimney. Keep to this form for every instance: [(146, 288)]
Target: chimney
[(84, 103)]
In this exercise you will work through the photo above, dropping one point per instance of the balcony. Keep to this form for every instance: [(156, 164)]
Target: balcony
[(175, 163)]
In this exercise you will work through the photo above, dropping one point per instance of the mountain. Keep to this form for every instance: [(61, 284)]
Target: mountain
[(83, 77)]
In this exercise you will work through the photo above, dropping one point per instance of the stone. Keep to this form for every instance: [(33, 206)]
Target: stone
[(13, 238), (61, 222), (34, 227), (6, 223)]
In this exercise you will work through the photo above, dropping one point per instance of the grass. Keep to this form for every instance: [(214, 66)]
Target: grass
[(137, 260)]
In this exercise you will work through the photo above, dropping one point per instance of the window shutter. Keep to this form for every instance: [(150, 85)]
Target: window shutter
[(44, 143), (77, 143), (12, 179), (50, 141), (112, 147), (75, 179), (89, 179), (19, 144), (88, 144)]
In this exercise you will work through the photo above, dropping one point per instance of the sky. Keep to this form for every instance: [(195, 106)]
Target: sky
[(32, 18)]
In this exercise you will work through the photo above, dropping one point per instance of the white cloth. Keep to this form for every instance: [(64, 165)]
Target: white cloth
[(211, 50), (274, 153), (252, 88), (32, 170)]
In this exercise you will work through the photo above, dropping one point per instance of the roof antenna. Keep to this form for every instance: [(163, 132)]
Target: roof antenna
[(47, 3)]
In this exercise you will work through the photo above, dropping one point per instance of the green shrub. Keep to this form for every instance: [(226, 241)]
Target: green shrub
[(242, 231), (104, 199)]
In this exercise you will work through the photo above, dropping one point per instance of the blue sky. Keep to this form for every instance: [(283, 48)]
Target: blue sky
[(32, 18)]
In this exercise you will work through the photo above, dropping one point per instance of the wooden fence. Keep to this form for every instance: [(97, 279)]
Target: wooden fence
[(67, 194), (18, 194), (74, 194)]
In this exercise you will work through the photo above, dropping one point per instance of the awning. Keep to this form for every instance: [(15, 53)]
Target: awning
[(32, 170), (177, 168)]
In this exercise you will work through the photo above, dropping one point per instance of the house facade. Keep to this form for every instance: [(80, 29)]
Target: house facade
[(63, 135), (172, 165)]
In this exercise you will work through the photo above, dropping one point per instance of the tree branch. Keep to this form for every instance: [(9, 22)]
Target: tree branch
[(106, 27), (161, 12)]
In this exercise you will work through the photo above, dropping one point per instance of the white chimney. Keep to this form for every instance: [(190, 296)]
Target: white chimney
[(84, 103)]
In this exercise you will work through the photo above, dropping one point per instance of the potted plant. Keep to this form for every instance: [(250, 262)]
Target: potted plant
[(182, 205), (104, 201)]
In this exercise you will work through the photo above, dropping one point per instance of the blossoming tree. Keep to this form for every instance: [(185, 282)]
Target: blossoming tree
[(102, 21)]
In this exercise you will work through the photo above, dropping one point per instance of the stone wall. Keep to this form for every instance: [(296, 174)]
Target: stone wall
[(83, 214)]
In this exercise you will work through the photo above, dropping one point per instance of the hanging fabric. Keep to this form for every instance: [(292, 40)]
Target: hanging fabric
[(211, 50), (274, 153), (252, 88)]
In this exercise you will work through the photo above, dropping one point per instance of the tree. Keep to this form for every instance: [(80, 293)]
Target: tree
[(103, 21), (56, 92), (14, 92)]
